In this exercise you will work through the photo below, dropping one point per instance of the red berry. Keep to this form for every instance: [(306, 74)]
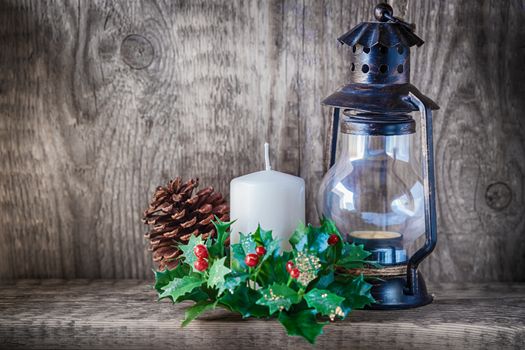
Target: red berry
[(251, 260), (333, 240), (200, 251), (200, 265), (295, 272), (289, 266), (260, 250)]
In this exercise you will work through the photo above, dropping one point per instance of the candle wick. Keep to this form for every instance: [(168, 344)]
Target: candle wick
[(267, 156)]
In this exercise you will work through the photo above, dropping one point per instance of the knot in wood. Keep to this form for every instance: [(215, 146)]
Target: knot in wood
[(498, 195), (137, 51)]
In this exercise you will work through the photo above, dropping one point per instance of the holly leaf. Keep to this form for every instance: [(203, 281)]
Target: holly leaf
[(315, 239), (180, 286), (216, 274), (275, 270), (318, 240), (325, 302), (232, 280), (299, 239), (242, 300), (302, 323), (356, 293), (324, 280), (162, 278), (265, 239), (195, 295), (187, 250), (278, 297), (262, 237), (271, 248), (222, 230), (197, 310), (353, 252), (237, 258), (248, 243), (353, 256), (216, 246), (329, 227)]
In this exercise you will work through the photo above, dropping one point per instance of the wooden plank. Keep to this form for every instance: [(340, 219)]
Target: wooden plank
[(102, 101), (86, 314), (466, 65)]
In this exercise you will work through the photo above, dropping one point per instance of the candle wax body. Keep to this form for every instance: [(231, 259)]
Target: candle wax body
[(270, 198)]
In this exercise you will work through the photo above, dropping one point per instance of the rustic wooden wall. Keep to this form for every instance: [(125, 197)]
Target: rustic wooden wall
[(100, 101)]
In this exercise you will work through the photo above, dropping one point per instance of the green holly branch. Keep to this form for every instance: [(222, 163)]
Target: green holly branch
[(256, 279)]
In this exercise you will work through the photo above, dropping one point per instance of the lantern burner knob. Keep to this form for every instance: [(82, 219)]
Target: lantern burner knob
[(384, 12)]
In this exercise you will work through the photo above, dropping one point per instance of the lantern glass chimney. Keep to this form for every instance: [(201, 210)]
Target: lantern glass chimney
[(375, 195)]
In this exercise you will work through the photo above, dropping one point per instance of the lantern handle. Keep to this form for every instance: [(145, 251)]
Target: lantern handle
[(430, 195), (334, 133), (384, 13)]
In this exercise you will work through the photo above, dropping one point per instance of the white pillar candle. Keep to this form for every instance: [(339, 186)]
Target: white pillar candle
[(270, 198)]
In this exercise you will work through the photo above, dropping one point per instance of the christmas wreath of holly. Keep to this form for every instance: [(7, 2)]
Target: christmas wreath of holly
[(257, 279)]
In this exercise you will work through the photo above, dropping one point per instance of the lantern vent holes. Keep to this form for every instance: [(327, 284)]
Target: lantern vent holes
[(379, 63)]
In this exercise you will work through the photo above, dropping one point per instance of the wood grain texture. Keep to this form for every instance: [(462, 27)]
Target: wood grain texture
[(85, 314), (101, 101)]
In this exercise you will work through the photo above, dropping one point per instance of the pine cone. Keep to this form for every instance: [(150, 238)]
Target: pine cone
[(175, 214)]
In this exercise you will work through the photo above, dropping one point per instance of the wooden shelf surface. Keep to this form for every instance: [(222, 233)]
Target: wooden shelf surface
[(124, 314)]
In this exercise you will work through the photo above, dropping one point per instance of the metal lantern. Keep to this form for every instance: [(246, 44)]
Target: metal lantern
[(380, 190)]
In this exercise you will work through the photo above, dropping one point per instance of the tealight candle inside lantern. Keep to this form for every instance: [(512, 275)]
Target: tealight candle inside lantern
[(270, 198), (386, 246)]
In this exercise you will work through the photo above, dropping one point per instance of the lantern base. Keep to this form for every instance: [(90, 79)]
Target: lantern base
[(390, 294)]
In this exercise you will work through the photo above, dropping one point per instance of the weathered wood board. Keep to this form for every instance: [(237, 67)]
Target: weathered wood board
[(124, 315), (101, 101)]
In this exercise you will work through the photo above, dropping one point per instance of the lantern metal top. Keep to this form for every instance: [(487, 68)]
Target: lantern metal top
[(369, 34), (379, 67)]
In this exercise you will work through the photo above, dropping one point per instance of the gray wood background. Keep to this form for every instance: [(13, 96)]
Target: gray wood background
[(101, 101)]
